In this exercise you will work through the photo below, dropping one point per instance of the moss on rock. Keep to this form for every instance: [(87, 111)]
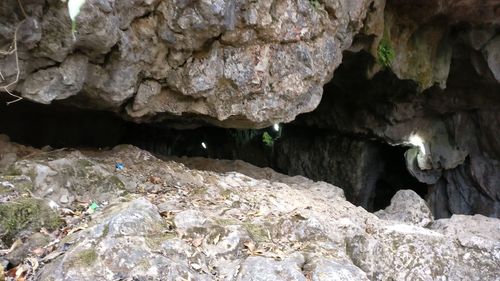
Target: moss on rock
[(25, 214), (84, 258), (258, 232)]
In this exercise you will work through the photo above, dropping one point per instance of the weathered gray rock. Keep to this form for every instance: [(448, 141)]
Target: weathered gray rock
[(484, 228), (492, 55), (56, 83), (189, 219), (400, 252), (262, 269), (63, 178), (406, 206), (235, 227), (233, 63), (423, 48), (125, 242), (325, 269)]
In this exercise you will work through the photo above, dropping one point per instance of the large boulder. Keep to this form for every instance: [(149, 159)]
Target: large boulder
[(406, 206), (232, 63)]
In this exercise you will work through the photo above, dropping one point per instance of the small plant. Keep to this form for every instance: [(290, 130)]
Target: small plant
[(385, 53), (267, 139), (315, 4)]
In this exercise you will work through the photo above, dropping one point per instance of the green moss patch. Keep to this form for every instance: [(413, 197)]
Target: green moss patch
[(257, 232), (155, 241), (84, 258), (25, 214), (385, 53)]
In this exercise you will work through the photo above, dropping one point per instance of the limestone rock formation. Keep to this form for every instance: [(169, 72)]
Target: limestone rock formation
[(417, 74), (406, 206), (450, 135), (175, 222), (233, 63), (420, 34)]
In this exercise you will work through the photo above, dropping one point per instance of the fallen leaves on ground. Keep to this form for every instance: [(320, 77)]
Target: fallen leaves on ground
[(155, 180), (76, 220)]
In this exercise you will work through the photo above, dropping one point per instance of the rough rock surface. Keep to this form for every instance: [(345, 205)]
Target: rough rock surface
[(354, 165), (233, 63), (250, 64), (420, 34), (406, 206), (459, 153), (179, 223)]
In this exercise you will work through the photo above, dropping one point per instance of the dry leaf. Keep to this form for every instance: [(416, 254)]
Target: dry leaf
[(299, 216), (43, 230), (38, 252), (20, 273), (255, 213), (66, 211), (197, 242), (196, 266), (167, 214), (250, 245), (34, 263), (77, 229), (155, 180), (51, 256), (216, 239)]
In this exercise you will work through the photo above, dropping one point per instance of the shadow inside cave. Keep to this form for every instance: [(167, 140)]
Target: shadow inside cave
[(60, 126)]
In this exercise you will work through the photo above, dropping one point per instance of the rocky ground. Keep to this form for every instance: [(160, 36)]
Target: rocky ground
[(125, 214)]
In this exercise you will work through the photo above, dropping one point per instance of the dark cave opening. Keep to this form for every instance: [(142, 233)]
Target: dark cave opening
[(394, 177), (317, 145), (61, 126)]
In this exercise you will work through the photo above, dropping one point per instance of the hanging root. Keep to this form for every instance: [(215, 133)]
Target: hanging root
[(12, 50)]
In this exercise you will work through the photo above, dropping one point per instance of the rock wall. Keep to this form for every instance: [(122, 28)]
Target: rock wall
[(423, 36), (459, 151), (232, 63), (369, 172)]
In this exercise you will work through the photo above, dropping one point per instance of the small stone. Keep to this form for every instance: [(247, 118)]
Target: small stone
[(327, 269), (189, 219), (46, 148), (64, 199)]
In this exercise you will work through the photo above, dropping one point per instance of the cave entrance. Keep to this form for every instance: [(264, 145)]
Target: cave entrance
[(60, 126), (394, 177), (308, 151)]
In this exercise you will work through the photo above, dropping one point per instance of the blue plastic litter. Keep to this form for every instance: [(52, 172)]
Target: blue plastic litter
[(119, 166)]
